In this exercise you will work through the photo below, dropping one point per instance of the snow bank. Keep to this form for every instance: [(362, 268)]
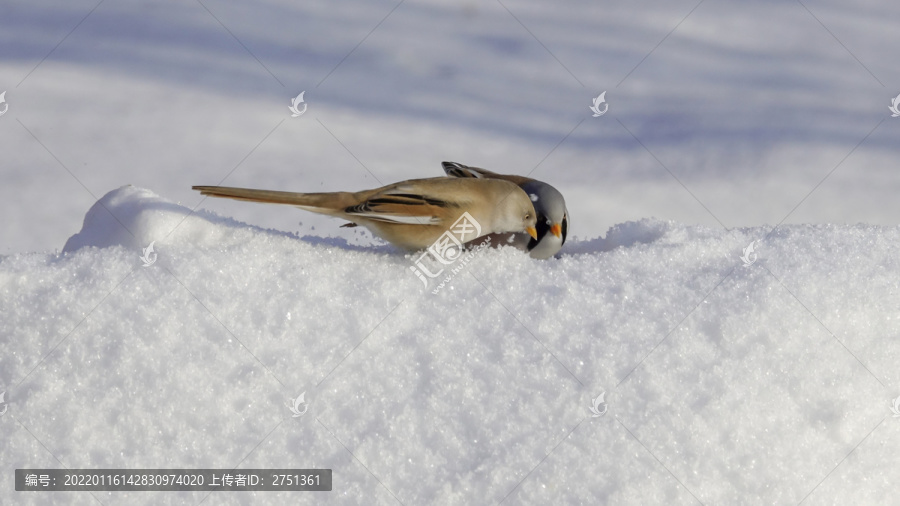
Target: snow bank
[(724, 383)]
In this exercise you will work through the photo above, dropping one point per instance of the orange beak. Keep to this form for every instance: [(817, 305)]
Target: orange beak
[(532, 232), (556, 230)]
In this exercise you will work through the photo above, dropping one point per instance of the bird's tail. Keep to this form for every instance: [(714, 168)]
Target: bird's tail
[(325, 203)]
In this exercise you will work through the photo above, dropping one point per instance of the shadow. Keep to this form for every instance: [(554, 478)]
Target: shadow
[(623, 235)]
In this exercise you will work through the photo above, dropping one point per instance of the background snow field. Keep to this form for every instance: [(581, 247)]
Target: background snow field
[(657, 360)]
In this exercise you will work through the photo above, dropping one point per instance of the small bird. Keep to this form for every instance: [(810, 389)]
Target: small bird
[(411, 214), (552, 215)]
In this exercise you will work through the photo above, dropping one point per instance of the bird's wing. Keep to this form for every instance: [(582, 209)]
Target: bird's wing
[(459, 170), (454, 169), (402, 205)]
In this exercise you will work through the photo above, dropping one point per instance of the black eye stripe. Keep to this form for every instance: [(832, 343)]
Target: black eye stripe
[(543, 228)]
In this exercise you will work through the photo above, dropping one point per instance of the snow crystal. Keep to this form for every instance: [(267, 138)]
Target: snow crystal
[(725, 382)]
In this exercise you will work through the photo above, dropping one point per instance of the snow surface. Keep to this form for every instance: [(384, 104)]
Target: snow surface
[(725, 384)]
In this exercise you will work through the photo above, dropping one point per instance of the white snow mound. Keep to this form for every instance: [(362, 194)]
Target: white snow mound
[(728, 380)]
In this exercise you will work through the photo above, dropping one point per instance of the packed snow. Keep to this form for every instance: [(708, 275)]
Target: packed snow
[(724, 383)]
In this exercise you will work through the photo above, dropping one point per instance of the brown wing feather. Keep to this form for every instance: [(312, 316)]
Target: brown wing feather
[(390, 207), (459, 170)]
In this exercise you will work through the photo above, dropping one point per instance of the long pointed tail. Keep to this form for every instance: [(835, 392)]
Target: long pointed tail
[(326, 203)]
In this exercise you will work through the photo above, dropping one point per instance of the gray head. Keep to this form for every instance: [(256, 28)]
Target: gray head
[(552, 219)]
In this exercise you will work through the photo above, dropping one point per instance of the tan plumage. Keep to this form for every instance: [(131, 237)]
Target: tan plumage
[(410, 214), (549, 205)]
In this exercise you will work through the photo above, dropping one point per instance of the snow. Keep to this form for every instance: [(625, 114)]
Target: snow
[(728, 123), (724, 383)]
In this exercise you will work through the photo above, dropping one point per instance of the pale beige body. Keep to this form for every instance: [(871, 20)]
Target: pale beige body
[(549, 204), (410, 214)]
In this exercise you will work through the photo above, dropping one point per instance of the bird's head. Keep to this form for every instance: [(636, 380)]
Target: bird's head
[(552, 218)]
